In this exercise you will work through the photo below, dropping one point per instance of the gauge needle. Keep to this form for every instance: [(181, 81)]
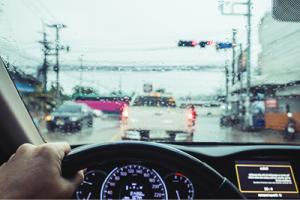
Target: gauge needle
[(177, 194), (89, 196), (89, 183)]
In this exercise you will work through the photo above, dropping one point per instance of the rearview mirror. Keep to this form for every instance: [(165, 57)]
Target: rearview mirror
[(286, 10)]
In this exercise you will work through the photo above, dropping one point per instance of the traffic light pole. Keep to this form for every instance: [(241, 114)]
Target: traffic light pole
[(248, 121)]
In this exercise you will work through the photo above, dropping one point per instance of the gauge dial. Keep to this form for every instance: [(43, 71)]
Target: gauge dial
[(179, 186), (133, 182), (89, 188)]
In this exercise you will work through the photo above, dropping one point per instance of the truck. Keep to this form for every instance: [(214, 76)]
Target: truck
[(156, 117), (108, 105)]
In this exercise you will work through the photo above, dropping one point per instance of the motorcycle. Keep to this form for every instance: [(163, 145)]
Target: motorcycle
[(290, 129)]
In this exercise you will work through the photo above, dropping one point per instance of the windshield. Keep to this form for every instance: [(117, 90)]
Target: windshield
[(155, 70)]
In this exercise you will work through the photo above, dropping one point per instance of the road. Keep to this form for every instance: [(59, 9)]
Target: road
[(207, 129), (104, 130)]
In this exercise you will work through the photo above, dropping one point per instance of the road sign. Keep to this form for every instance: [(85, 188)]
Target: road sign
[(222, 45), (148, 87)]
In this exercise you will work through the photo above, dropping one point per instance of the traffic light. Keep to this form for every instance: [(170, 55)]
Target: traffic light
[(202, 44), (187, 43), (55, 68), (210, 43)]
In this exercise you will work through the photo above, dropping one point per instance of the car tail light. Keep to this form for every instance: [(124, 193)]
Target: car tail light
[(190, 115), (125, 112), (191, 118)]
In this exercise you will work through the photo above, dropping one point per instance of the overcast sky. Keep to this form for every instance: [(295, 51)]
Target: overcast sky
[(124, 32)]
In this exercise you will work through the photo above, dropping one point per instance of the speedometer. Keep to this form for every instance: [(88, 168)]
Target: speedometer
[(133, 182)]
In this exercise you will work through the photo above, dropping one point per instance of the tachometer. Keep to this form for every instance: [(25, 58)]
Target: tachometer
[(89, 188), (179, 186), (133, 182)]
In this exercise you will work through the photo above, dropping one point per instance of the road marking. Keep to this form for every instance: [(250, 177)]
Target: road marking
[(115, 137)]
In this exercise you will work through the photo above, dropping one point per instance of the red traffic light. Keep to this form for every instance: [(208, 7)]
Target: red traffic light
[(210, 42), (194, 43)]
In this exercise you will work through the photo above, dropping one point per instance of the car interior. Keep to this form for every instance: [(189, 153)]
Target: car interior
[(160, 170)]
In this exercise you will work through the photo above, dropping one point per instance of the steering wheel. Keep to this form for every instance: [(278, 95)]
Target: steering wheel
[(85, 156)]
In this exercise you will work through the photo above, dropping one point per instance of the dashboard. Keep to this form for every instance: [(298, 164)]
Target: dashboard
[(258, 171), (136, 180)]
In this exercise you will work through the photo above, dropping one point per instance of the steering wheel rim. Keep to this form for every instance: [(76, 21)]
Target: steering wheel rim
[(88, 155)]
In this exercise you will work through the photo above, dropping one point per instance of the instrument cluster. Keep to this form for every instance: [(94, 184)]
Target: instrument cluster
[(134, 180)]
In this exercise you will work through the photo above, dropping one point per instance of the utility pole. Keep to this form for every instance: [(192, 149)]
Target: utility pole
[(233, 72), (248, 66), (226, 85), (240, 73), (120, 85), (44, 69), (81, 70), (58, 48), (248, 121)]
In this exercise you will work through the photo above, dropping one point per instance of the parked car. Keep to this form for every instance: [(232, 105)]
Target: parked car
[(70, 116)]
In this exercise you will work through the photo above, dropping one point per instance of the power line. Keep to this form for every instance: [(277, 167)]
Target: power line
[(100, 50), (33, 11), (42, 5)]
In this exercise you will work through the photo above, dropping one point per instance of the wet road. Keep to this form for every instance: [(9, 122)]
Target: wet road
[(103, 130), (207, 129)]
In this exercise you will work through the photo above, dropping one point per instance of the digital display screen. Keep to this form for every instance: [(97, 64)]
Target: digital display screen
[(265, 179)]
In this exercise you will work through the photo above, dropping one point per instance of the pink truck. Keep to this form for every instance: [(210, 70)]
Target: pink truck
[(108, 105)]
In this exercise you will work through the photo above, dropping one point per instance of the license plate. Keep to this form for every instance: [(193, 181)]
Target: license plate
[(291, 130), (157, 133), (60, 122)]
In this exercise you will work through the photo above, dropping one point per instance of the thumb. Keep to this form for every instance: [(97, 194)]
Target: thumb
[(77, 179), (71, 184)]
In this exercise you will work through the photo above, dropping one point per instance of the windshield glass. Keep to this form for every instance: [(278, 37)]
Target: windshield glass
[(155, 70)]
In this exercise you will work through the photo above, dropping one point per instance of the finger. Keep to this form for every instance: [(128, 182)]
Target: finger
[(24, 148), (3, 164), (71, 184), (11, 157), (62, 148), (78, 178)]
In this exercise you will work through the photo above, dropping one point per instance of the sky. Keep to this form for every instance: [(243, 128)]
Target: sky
[(125, 32)]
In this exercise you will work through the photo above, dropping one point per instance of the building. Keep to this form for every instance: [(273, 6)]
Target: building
[(280, 70)]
